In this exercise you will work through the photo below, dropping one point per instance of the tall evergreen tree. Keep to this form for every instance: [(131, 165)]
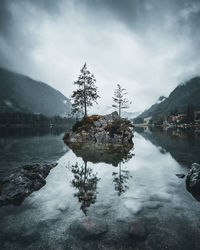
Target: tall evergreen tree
[(119, 99), (86, 94)]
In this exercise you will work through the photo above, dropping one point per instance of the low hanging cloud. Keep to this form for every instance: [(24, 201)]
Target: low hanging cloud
[(147, 46)]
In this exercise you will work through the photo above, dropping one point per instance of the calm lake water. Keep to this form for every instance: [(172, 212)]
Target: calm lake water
[(116, 185)]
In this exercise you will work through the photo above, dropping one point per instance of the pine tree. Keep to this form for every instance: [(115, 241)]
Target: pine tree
[(119, 99), (86, 94)]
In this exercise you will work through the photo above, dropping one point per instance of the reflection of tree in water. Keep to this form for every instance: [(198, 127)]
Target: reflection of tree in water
[(86, 183), (121, 179)]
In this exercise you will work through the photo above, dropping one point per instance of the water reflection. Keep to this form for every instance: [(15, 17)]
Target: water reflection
[(155, 196), (99, 152), (18, 150), (121, 179), (86, 183), (10, 132), (182, 144)]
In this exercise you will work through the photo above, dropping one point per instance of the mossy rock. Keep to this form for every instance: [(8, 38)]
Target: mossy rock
[(86, 123), (118, 126)]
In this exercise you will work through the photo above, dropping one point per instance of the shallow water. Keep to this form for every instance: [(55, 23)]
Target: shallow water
[(117, 188)]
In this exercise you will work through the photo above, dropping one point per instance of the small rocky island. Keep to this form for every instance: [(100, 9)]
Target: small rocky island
[(101, 129)]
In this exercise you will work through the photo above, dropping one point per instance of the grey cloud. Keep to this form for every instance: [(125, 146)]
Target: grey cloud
[(13, 39), (142, 15), (5, 18), (149, 37), (6, 15)]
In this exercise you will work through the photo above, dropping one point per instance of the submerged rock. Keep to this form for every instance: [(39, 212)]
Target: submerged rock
[(89, 228), (15, 187), (137, 230), (181, 176), (101, 129), (193, 181)]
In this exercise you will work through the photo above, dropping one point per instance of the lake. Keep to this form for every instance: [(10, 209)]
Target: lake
[(115, 185)]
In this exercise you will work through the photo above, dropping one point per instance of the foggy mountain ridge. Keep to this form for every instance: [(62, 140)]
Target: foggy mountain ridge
[(19, 93), (182, 96)]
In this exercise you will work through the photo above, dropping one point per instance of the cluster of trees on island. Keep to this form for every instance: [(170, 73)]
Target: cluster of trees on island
[(87, 94)]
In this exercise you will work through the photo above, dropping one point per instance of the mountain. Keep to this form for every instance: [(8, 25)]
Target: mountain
[(20, 93), (182, 96), (130, 115), (125, 114)]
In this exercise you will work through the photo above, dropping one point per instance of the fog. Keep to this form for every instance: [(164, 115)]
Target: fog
[(147, 46)]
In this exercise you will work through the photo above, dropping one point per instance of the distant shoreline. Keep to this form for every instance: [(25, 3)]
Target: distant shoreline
[(171, 126), (32, 126)]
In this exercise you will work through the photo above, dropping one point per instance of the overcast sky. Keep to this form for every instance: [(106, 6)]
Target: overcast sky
[(147, 46)]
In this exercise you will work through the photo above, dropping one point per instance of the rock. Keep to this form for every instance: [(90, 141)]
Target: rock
[(15, 191), (89, 228), (29, 237), (193, 180), (38, 180), (153, 204), (101, 136), (137, 230), (101, 129), (111, 117), (181, 176), (22, 182)]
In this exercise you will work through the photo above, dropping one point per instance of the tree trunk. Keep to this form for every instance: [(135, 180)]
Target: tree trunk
[(120, 170), (85, 104), (85, 109)]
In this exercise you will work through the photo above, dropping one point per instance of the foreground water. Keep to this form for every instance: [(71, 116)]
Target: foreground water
[(140, 184)]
